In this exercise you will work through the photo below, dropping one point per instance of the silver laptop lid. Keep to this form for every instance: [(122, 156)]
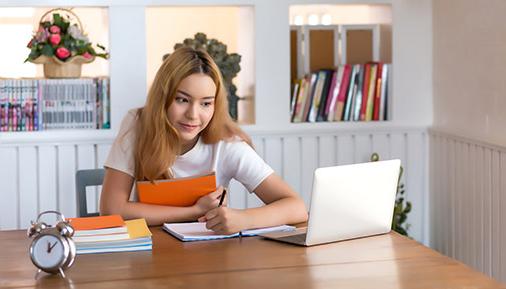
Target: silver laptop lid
[(352, 201)]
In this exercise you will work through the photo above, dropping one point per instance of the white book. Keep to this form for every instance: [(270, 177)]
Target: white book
[(384, 85), (197, 231), (101, 238), (106, 231)]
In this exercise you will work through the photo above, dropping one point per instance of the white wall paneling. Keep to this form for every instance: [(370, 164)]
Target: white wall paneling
[(467, 201), (9, 192), (40, 177), (47, 165), (49, 169), (27, 180)]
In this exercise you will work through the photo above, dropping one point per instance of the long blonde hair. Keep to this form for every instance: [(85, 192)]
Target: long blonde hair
[(157, 142)]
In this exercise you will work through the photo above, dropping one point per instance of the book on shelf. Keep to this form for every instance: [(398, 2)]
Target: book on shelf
[(310, 96), (359, 94), (330, 95), (365, 90), (341, 98), (383, 97), (301, 99), (44, 104), (352, 88), (335, 93), (105, 234), (293, 101), (348, 93), (377, 93), (320, 115), (370, 92), (197, 231), (317, 97)]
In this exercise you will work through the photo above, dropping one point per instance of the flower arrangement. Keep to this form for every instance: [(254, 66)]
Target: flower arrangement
[(59, 41)]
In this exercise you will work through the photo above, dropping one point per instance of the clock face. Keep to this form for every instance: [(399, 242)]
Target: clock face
[(47, 252)]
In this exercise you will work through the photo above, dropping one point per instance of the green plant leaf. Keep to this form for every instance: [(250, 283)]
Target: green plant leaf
[(57, 20), (47, 50)]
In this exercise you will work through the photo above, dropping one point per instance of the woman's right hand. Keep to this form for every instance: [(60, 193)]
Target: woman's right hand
[(210, 201)]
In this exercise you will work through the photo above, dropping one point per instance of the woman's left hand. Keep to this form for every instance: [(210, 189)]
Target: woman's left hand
[(225, 221)]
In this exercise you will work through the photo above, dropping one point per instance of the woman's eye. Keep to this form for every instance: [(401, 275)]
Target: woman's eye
[(181, 100), (206, 104)]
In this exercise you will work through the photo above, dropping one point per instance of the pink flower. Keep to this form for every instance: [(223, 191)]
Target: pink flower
[(87, 55), (30, 44), (62, 53), (42, 34), (54, 29), (55, 39)]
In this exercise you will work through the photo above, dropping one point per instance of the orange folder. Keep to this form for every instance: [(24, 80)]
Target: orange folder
[(94, 223), (180, 192)]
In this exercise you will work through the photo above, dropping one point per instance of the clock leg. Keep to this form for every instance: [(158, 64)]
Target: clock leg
[(37, 274), (61, 272)]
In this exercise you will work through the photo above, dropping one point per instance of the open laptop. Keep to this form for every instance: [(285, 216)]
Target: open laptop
[(348, 202)]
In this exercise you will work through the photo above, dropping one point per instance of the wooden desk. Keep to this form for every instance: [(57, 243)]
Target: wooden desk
[(387, 261)]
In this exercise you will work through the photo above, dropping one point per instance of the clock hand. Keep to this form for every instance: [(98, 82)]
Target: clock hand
[(48, 247), (52, 246)]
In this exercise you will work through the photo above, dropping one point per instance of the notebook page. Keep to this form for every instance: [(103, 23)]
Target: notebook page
[(197, 231)]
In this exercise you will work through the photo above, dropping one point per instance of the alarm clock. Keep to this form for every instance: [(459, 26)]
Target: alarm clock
[(52, 250)]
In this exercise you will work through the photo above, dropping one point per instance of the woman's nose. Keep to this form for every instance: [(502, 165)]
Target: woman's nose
[(192, 112)]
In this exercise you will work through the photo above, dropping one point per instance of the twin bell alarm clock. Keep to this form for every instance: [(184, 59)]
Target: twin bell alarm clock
[(52, 249)]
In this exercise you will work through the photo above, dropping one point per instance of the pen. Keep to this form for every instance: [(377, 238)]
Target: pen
[(222, 197)]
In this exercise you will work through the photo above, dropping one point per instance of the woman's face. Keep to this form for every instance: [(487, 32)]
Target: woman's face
[(193, 107)]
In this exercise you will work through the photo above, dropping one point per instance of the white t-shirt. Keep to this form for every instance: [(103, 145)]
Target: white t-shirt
[(229, 159)]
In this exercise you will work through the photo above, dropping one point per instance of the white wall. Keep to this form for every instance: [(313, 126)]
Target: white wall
[(469, 69), (412, 62), (468, 144)]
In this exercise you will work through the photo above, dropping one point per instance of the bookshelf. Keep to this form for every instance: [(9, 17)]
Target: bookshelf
[(340, 70), (410, 105)]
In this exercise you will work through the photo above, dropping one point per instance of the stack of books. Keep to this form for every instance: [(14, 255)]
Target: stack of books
[(106, 234)]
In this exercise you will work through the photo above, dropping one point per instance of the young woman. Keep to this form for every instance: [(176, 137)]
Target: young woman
[(183, 130)]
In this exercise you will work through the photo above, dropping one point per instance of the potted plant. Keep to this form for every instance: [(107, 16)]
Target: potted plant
[(61, 46), (401, 208), (227, 62)]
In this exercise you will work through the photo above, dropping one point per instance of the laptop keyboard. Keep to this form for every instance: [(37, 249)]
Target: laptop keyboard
[(299, 238)]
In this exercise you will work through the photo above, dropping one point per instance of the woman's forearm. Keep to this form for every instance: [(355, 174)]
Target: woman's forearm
[(154, 214), (290, 210)]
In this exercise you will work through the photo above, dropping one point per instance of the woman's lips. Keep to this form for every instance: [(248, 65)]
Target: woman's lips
[(188, 127)]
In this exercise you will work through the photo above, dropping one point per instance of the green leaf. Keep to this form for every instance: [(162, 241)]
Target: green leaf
[(64, 26), (57, 20), (47, 50)]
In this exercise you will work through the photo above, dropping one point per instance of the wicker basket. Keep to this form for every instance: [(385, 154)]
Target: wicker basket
[(53, 66)]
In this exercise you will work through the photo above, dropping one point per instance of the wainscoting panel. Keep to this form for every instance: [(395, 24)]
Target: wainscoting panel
[(468, 201), (9, 210), (41, 176)]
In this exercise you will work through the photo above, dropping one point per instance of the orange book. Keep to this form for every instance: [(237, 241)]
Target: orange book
[(180, 192), (94, 223)]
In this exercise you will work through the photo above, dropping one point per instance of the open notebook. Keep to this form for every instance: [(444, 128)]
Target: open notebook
[(198, 232)]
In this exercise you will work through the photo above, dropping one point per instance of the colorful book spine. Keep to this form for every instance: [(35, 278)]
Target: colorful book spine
[(370, 93), (341, 98)]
